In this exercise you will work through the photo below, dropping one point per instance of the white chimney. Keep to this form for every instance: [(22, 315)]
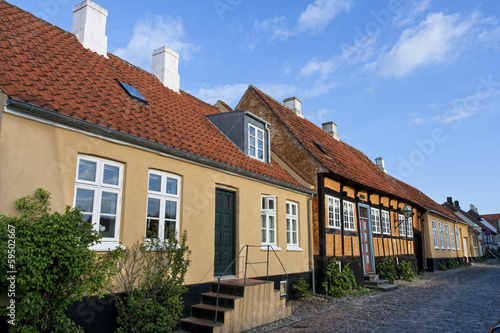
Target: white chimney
[(89, 25), (473, 208), (166, 67), (295, 104), (381, 164), (331, 128)]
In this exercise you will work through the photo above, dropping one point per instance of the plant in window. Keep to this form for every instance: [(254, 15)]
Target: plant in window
[(54, 263)]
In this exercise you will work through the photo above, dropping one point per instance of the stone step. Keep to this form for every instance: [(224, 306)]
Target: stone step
[(371, 277), (387, 287), (225, 300), (197, 325), (207, 311), (375, 282)]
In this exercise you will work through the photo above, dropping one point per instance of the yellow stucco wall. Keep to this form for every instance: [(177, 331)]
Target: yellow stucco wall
[(451, 251), (35, 155)]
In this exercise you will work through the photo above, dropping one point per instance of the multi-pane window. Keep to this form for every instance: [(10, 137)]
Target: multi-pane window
[(452, 238), (409, 227), (434, 233), (268, 220), (162, 217), (255, 142), (457, 236), (98, 190), (402, 225), (292, 224), (333, 212), (447, 236), (386, 222), (348, 215), (441, 233), (375, 213)]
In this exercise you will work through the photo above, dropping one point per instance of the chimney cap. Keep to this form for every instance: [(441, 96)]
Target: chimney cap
[(381, 164), (331, 128), (295, 105)]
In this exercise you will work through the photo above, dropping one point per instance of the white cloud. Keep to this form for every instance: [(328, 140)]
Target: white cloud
[(228, 93), (154, 32), (276, 28), (431, 42), (320, 13), (409, 10), (318, 68)]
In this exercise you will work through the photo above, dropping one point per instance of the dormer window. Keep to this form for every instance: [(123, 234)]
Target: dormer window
[(255, 142)]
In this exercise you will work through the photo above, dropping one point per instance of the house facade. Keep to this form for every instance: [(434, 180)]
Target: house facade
[(141, 157), (357, 213), (446, 235)]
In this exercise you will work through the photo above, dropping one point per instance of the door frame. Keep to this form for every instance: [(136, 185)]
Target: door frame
[(233, 208), (370, 238)]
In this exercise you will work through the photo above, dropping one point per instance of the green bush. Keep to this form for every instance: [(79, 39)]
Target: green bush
[(303, 288), (340, 282), (405, 270), (452, 263), (442, 267), (386, 270), (54, 263), (151, 274)]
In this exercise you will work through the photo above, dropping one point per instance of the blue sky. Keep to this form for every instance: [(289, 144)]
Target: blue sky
[(414, 82)]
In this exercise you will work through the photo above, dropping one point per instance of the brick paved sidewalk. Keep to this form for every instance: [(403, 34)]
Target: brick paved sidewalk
[(459, 300)]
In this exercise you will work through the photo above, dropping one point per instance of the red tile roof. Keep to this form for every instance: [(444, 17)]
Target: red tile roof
[(424, 201), (491, 216), (342, 160), (46, 66)]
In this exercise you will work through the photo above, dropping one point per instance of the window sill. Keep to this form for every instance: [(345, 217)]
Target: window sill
[(106, 246), (294, 249), (264, 247)]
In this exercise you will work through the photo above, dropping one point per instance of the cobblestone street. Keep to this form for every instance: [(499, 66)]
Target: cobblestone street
[(458, 300)]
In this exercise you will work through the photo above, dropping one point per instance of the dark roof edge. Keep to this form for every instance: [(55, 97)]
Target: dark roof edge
[(443, 215), (76, 123)]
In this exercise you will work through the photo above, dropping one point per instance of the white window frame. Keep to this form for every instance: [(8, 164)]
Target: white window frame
[(434, 232), (348, 216), (386, 222), (292, 218), (375, 215), (334, 220), (164, 197), (447, 233), (99, 187), (409, 227), (441, 235), (452, 237), (457, 238), (257, 140), (402, 225), (268, 215)]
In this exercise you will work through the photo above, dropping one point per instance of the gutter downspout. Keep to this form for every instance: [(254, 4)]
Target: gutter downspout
[(309, 225)]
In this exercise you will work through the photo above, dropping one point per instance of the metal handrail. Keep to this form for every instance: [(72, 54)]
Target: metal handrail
[(246, 264)]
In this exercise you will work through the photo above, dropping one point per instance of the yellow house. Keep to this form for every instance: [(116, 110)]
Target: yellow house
[(141, 156), (446, 235)]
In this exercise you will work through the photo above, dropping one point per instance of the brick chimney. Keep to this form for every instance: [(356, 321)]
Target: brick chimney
[(295, 105), (166, 67), (89, 25), (331, 128), (381, 164)]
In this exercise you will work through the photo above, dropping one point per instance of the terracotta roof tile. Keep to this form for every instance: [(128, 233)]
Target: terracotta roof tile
[(340, 158), (47, 66)]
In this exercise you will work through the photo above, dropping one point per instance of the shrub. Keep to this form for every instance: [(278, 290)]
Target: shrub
[(442, 267), (54, 263), (387, 270), (151, 274), (303, 288), (452, 263), (405, 270), (340, 282)]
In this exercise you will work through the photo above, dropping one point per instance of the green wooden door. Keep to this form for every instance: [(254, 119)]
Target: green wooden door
[(225, 247)]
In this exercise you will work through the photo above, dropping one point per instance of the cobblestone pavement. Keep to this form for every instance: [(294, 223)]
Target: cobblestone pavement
[(459, 300)]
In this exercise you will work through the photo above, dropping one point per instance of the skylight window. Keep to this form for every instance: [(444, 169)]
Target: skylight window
[(323, 149), (133, 92)]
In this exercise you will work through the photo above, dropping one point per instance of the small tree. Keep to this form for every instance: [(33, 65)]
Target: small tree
[(387, 269), (150, 284), (54, 263), (340, 281)]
